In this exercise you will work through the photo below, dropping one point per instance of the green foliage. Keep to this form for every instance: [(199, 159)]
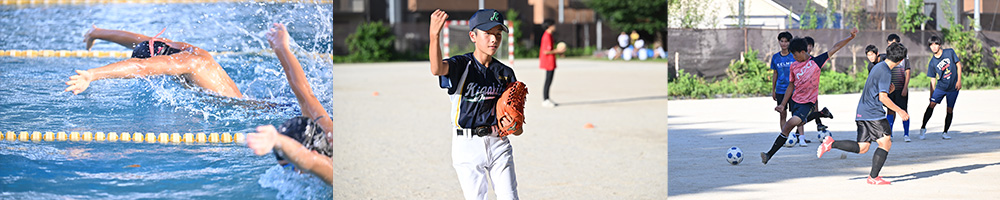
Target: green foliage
[(809, 20), (372, 42), (856, 15), (646, 15), (750, 75), (911, 16), (580, 51), (832, 82), (970, 50)]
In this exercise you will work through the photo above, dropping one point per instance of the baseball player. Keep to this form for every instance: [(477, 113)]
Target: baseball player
[(474, 81)]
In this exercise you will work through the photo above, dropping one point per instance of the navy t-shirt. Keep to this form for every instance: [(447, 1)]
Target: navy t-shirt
[(474, 89), (944, 69), (869, 106)]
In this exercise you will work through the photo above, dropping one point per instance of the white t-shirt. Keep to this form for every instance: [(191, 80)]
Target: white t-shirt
[(623, 40)]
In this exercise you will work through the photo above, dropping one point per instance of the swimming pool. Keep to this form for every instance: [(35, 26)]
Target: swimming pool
[(32, 99)]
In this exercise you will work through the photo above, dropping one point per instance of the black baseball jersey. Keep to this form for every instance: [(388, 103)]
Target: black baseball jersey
[(474, 89)]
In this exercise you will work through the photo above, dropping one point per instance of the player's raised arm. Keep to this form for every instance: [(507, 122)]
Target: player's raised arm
[(438, 66), (842, 43)]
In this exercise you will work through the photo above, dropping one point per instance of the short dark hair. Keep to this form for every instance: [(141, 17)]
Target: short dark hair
[(893, 37), (809, 41), (785, 35), (871, 48), (547, 23), (896, 52), (934, 40), (797, 45)]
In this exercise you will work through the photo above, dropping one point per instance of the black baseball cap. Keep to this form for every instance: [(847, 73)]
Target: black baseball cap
[(486, 19)]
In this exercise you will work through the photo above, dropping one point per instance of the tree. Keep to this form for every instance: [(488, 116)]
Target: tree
[(642, 15), (911, 16), (373, 42), (810, 13)]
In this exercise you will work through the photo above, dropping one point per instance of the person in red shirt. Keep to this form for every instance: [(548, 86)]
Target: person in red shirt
[(547, 59)]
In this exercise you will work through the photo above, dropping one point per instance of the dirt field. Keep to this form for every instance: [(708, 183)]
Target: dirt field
[(397, 145), (965, 167)]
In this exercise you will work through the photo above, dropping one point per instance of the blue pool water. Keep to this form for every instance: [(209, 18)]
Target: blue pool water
[(32, 99)]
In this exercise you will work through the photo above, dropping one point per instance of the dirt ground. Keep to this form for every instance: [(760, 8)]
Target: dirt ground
[(397, 144), (965, 167)]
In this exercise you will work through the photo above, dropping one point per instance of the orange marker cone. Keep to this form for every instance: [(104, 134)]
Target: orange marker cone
[(588, 126), (375, 94)]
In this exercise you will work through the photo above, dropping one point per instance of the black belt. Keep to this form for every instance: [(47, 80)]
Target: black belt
[(477, 131)]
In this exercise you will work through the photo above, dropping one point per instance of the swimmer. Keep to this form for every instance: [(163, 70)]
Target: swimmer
[(152, 56), (304, 141)]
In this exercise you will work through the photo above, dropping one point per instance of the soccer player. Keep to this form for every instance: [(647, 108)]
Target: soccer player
[(871, 118), (945, 70), (804, 80)]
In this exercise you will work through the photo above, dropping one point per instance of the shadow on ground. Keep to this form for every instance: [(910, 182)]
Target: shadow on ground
[(697, 163)]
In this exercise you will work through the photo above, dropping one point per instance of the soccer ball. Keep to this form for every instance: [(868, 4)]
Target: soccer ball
[(792, 140), (822, 134), (734, 156)]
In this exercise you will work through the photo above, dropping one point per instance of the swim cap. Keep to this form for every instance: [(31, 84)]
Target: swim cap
[(159, 48), (307, 132)]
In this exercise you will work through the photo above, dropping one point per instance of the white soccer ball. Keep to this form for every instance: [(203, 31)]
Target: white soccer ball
[(734, 156), (792, 140), (822, 134)]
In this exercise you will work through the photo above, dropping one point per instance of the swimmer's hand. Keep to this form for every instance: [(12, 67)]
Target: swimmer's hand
[(278, 36), (88, 38), (78, 83), (263, 141)]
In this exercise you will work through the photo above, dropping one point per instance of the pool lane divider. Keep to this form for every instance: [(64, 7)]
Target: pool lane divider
[(58, 2), (127, 54), (136, 137)]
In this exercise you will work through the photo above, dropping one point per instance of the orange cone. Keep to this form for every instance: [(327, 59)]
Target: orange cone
[(588, 126), (375, 94)]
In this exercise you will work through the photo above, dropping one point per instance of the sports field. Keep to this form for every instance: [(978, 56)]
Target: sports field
[(397, 145), (965, 167)]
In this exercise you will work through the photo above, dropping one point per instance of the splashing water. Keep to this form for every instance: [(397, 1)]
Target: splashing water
[(157, 104)]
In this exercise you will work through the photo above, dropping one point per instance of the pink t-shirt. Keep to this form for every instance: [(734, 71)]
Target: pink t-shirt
[(805, 77)]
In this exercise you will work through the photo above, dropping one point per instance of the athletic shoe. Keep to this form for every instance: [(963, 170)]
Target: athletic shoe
[(922, 132), (826, 146), (944, 135), (548, 104), (826, 113), (764, 158), (877, 181), (802, 141), (906, 138)]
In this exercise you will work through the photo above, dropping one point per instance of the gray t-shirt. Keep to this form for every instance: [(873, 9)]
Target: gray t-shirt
[(869, 107)]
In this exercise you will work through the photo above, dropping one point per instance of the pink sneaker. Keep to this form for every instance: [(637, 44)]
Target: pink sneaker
[(823, 148), (877, 181)]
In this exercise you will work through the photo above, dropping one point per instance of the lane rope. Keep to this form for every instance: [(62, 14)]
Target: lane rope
[(136, 137), (55, 2), (128, 54)]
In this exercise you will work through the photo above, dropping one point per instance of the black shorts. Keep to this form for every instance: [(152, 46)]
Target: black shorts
[(782, 97), (869, 131), (802, 110), (898, 99)]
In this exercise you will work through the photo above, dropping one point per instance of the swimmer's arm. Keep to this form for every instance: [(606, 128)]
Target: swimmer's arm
[(304, 159), (278, 39), (135, 67), (439, 67), (267, 139), (124, 38)]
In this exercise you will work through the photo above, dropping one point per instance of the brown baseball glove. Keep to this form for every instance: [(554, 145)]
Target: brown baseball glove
[(510, 109)]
